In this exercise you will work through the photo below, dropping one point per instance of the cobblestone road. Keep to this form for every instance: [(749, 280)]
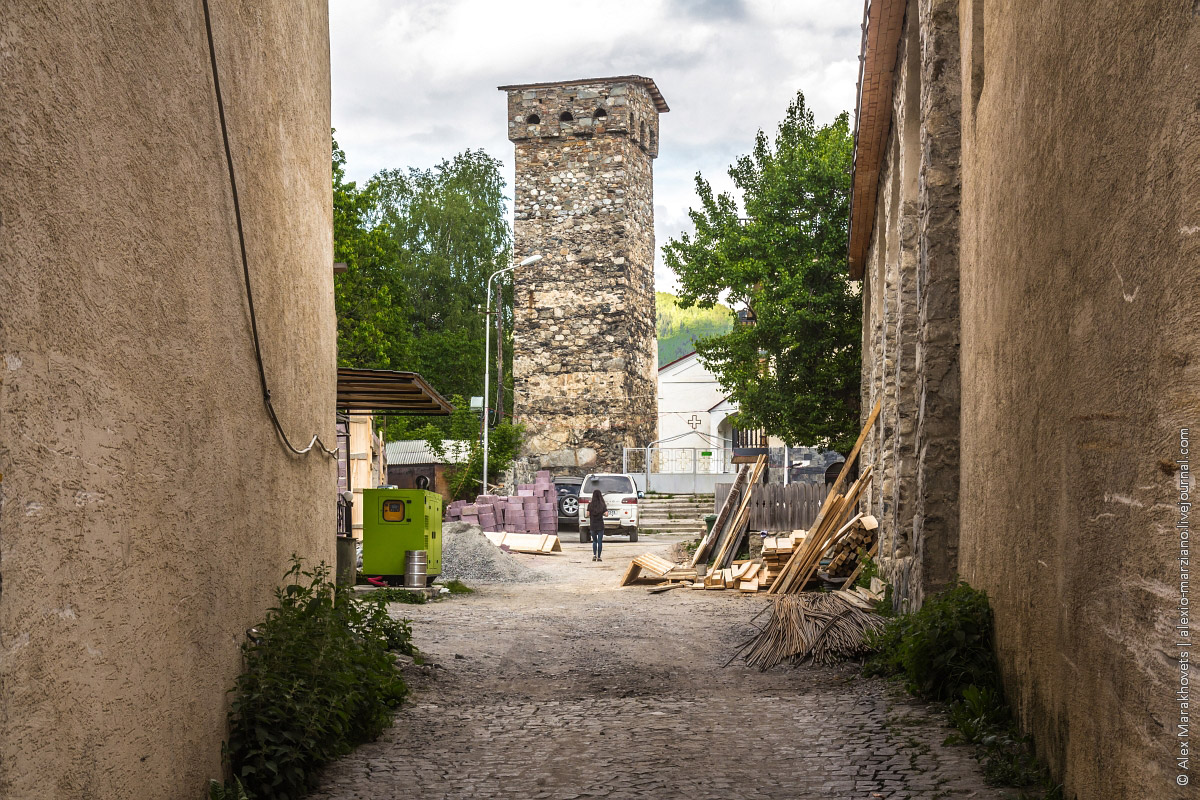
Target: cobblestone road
[(578, 689)]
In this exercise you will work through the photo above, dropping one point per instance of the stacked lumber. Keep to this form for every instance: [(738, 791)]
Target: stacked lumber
[(776, 552), (537, 543), (816, 627), (533, 509), (788, 562), (844, 558), (831, 525), (656, 569), (743, 576)]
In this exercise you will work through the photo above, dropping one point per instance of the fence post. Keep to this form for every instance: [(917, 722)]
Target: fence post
[(646, 464), (787, 463)]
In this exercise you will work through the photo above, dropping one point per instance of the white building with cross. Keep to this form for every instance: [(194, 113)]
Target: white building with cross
[(693, 409)]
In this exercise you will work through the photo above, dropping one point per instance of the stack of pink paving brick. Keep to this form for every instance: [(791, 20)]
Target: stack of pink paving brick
[(533, 509)]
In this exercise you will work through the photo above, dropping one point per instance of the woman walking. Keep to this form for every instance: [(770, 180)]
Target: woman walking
[(596, 509)]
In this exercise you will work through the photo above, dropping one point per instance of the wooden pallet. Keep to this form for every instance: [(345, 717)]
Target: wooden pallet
[(655, 568)]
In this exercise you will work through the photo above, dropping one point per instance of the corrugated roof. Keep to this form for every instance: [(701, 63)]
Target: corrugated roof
[(407, 452), (388, 392), (651, 87)]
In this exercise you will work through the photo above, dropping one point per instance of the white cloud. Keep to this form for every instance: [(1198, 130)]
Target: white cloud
[(415, 82)]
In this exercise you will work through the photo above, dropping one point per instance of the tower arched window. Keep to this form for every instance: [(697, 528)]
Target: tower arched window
[(533, 119), (600, 113), (566, 116)]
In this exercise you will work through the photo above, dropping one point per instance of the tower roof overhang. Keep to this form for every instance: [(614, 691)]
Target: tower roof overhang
[(882, 23), (659, 103)]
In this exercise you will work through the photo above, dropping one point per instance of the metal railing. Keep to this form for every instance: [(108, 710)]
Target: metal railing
[(678, 469)]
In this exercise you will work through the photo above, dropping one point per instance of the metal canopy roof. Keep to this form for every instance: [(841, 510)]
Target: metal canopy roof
[(385, 391)]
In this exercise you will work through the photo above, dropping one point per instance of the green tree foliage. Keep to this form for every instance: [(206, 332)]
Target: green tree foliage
[(465, 478), (419, 246), (795, 371), (679, 328), (370, 302)]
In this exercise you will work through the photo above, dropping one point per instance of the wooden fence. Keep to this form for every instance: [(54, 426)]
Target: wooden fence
[(778, 508)]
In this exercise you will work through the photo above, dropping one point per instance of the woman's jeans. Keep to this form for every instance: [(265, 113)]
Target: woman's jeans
[(597, 538)]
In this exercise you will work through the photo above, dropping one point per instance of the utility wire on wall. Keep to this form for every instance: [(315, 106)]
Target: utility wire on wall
[(237, 213)]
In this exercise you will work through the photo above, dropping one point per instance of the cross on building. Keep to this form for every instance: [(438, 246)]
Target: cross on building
[(694, 422)]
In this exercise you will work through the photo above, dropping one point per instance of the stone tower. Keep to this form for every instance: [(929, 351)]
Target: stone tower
[(585, 355)]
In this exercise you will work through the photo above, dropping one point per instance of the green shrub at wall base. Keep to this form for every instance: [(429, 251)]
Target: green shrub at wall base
[(941, 649), (319, 678)]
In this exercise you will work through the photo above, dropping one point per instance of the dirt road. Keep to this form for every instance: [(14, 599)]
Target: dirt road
[(574, 688)]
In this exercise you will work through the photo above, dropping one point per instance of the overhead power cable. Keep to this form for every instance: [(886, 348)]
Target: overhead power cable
[(237, 213)]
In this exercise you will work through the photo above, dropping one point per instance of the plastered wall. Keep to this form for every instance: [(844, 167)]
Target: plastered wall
[(147, 507), (1080, 262)]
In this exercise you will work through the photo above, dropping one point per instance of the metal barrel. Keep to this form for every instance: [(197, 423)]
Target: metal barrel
[(416, 564), (347, 561)]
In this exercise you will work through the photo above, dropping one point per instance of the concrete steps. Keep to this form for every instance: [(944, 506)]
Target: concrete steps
[(675, 514)]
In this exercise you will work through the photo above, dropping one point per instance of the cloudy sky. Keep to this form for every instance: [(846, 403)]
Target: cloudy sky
[(414, 81)]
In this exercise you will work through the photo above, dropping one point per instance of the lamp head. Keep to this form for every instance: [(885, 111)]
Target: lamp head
[(530, 260)]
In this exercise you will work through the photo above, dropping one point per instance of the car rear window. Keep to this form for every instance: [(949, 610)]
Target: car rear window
[(608, 484)]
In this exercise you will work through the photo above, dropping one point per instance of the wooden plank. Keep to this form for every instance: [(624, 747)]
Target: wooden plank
[(726, 509), (536, 543), (855, 492), (732, 538), (785, 578), (631, 574)]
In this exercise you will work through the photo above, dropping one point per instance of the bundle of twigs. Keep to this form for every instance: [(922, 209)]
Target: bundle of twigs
[(815, 627)]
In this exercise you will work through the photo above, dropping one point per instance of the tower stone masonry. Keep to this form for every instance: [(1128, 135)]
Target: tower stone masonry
[(585, 352)]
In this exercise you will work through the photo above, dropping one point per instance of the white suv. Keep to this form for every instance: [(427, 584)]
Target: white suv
[(620, 496)]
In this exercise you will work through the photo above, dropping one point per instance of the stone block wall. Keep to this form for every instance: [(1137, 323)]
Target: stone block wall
[(903, 344), (1030, 325), (584, 360)]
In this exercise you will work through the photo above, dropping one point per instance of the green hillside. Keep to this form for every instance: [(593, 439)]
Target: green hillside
[(679, 327)]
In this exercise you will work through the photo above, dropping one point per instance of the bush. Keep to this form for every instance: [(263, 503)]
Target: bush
[(318, 679), (944, 652), (941, 649)]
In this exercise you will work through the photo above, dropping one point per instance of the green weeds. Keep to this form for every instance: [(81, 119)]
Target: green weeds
[(944, 652), (319, 678), (394, 594)]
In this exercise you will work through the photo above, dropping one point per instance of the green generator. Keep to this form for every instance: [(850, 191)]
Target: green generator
[(396, 521)]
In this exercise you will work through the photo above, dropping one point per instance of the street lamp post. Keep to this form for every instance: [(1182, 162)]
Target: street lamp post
[(487, 350)]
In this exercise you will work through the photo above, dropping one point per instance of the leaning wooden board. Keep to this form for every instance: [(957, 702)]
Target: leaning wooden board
[(787, 577)]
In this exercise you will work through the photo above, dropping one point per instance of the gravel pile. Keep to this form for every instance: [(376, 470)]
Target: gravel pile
[(469, 556)]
